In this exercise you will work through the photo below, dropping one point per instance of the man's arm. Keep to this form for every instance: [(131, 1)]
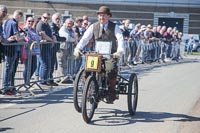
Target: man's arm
[(120, 39), (64, 33), (45, 36), (86, 38), (42, 33)]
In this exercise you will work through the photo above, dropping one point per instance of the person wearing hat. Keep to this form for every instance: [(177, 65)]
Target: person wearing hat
[(104, 30)]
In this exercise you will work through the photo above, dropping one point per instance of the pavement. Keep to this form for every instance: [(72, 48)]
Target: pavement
[(186, 127)]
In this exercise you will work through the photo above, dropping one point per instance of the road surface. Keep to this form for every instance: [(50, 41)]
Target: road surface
[(168, 99)]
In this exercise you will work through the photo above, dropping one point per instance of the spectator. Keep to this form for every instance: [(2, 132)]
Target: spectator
[(175, 46), (150, 45), (135, 39), (190, 44), (156, 38), (65, 61), (163, 44), (3, 13), (85, 18), (162, 30), (37, 71), (88, 47), (55, 27), (125, 29), (158, 28), (36, 20), (77, 28), (84, 26), (126, 33), (47, 61), (31, 37), (168, 40), (12, 52), (181, 45)]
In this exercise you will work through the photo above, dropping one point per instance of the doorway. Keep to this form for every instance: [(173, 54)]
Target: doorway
[(172, 22)]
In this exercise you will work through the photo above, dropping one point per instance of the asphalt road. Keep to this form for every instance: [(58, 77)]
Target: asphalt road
[(167, 94)]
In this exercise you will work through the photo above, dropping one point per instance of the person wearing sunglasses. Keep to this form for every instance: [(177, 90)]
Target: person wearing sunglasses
[(31, 37), (45, 58)]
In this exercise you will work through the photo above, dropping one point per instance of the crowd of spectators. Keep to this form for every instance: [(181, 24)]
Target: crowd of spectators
[(147, 43), (53, 46)]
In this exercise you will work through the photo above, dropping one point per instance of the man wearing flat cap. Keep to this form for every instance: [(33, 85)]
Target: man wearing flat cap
[(104, 30)]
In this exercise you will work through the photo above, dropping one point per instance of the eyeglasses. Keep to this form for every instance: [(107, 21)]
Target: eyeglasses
[(30, 21), (45, 17), (57, 18), (4, 12)]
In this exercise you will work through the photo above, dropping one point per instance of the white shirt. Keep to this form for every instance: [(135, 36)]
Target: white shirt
[(64, 32), (191, 41), (89, 34)]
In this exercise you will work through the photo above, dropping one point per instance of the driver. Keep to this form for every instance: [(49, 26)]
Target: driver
[(104, 30)]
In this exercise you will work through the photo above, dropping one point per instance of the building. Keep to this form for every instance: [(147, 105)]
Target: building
[(183, 14)]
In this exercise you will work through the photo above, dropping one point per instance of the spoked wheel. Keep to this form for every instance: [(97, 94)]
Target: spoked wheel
[(78, 90), (89, 99), (132, 94)]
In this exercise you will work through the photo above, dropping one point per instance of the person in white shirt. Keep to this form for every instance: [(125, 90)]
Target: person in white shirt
[(65, 61), (104, 30), (191, 41)]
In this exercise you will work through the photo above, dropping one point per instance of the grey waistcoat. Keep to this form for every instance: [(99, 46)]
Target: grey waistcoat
[(109, 34)]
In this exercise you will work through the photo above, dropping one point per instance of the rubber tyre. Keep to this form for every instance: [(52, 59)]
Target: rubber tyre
[(88, 101), (132, 97), (198, 49), (78, 90)]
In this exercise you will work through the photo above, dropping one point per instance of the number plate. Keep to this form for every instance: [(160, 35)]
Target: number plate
[(93, 63)]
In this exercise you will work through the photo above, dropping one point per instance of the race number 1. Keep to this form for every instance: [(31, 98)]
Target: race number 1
[(92, 62)]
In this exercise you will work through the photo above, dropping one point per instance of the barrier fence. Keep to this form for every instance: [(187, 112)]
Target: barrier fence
[(145, 51), (26, 65)]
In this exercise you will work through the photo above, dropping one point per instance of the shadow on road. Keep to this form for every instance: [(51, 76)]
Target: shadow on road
[(114, 117), (48, 98), (62, 96), (5, 129), (142, 69)]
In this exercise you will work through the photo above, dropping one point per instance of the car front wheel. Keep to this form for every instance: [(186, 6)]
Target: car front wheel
[(198, 49)]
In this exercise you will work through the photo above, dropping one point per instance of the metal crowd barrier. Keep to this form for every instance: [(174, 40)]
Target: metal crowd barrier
[(22, 68), (146, 51), (22, 61), (11, 67)]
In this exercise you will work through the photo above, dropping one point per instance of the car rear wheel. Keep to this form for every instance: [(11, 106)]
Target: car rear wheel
[(198, 49)]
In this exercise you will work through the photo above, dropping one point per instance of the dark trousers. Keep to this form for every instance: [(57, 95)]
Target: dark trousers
[(10, 67), (31, 69), (2, 58), (48, 59), (132, 50), (169, 50)]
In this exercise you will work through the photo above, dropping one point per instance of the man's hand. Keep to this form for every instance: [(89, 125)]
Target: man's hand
[(117, 54), (77, 53), (12, 38)]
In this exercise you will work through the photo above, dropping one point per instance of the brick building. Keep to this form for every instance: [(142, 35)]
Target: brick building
[(183, 14)]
